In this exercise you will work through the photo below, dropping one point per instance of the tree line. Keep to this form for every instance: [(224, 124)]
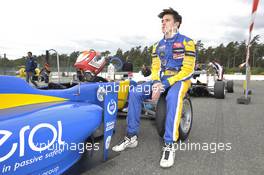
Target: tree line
[(230, 56)]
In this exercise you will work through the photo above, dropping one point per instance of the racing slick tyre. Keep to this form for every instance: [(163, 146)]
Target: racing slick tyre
[(219, 89), (186, 119), (230, 86)]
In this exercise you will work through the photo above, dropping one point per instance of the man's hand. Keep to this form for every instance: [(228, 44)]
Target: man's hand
[(157, 89)]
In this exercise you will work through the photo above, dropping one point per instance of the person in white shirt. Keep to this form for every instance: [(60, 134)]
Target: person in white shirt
[(219, 69)]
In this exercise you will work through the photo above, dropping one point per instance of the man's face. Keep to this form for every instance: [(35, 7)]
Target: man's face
[(167, 24), (29, 55)]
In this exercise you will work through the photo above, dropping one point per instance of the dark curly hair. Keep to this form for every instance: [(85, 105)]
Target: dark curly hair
[(171, 11)]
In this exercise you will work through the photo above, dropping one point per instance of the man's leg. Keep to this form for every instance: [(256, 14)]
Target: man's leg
[(27, 77), (136, 96), (174, 101), (31, 74)]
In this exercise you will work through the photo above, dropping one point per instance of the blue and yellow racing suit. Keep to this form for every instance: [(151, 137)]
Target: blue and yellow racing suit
[(173, 62)]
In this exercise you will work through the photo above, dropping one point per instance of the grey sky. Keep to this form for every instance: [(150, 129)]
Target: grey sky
[(76, 25)]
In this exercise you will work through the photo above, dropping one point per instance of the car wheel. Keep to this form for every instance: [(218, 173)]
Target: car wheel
[(186, 119), (219, 89), (230, 86)]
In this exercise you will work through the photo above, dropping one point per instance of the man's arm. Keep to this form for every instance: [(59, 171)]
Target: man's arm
[(155, 74), (188, 65), (156, 64)]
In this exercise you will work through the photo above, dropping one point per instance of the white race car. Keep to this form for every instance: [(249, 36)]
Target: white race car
[(205, 82)]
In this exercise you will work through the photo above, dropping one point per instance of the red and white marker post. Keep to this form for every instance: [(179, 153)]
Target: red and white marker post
[(245, 99)]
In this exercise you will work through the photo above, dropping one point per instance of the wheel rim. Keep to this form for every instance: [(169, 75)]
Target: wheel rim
[(186, 119)]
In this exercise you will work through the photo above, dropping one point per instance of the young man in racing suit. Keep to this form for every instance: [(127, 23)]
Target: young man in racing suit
[(173, 61)]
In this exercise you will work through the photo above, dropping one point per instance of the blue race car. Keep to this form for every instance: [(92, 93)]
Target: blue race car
[(40, 129)]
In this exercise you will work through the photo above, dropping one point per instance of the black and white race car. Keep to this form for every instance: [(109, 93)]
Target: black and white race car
[(207, 81)]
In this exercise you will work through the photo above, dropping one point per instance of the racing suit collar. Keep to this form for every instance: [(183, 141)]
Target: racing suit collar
[(172, 38)]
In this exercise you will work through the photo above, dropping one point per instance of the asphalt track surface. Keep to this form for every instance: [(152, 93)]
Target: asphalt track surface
[(216, 122)]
